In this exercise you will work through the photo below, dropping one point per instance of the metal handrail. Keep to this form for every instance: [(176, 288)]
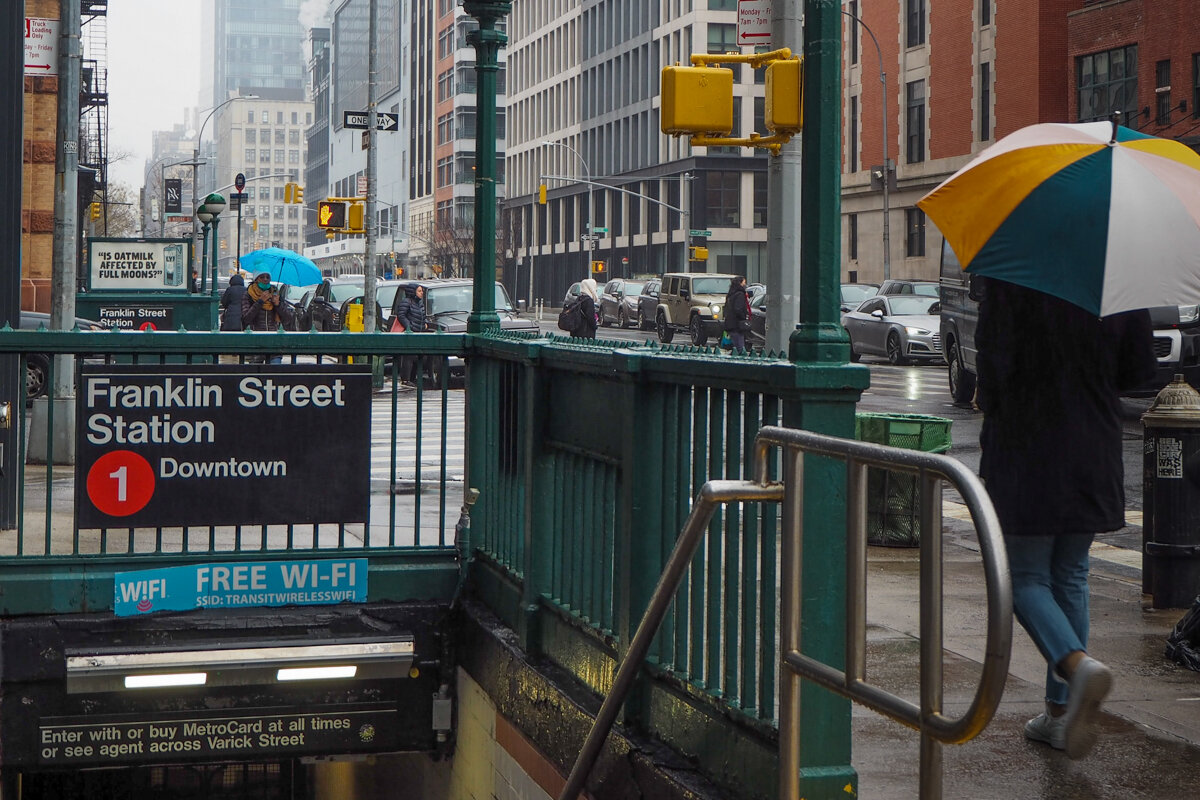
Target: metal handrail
[(927, 718)]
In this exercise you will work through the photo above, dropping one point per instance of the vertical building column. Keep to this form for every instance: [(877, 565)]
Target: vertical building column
[(487, 42), (12, 99)]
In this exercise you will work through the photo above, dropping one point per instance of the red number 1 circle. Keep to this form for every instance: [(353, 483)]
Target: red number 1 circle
[(120, 483)]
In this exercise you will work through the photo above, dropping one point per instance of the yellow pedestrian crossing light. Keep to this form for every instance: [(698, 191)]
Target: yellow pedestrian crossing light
[(783, 110), (699, 253), (354, 218), (331, 214), (697, 100)]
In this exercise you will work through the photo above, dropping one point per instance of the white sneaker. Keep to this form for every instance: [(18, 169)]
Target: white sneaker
[(1048, 729), (1090, 684)]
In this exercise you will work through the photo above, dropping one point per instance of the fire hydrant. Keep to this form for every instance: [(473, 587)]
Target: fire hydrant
[(1171, 496)]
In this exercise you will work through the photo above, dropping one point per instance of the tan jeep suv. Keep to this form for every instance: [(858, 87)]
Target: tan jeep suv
[(693, 302)]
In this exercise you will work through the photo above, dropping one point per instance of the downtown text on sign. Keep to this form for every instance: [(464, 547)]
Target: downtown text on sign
[(240, 585), (113, 740), (158, 265), (212, 444)]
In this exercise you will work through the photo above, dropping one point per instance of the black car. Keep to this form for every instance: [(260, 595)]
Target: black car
[(37, 365), (647, 304), (321, 306)]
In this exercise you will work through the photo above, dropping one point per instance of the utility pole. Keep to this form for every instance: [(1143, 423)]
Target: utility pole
[(369, 284), (66, 192), (783, 204)]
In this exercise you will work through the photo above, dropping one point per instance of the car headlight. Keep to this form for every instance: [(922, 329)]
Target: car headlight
[(716, 311), (1189, 313), (917, 331)]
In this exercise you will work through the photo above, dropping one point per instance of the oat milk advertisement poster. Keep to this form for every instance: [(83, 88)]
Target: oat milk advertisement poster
[(138, 265)]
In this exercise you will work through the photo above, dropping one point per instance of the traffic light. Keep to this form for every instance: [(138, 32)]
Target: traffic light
[(95, 211), (597, 267), (697, 100), (297, 193), (331, 214), (699, 253), (288, 190), (783, 109), (354, 218), (542, 194)]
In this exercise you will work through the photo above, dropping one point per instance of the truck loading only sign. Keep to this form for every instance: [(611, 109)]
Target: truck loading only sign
[(211, 444), (116, 740)]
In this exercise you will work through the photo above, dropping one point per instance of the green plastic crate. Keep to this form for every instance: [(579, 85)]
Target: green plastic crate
[(893, 498)]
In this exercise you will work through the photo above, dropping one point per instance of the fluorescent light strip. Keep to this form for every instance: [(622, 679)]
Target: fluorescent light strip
[(315, 673), (167, 679), (239, 657)]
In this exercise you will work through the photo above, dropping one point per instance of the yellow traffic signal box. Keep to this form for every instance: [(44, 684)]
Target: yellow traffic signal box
[(288, 188), (542, 194), (597, 267), (354, 218), (697, 100), (297, 193), (783, 110), (95, 211), (699, 253), (331, 214)]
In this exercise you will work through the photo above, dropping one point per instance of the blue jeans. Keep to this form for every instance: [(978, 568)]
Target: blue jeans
[(1050, 597)]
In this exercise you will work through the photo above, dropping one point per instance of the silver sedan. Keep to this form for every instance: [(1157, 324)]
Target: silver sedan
[(901, 327)]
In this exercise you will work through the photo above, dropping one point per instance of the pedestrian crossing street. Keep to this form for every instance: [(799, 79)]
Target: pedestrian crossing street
[(430, 458)]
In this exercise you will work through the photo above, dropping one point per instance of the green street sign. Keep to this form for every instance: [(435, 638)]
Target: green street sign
[(699, 233), (599, 230)]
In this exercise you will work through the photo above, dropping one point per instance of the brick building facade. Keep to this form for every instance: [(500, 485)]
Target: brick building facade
[(37, 180)]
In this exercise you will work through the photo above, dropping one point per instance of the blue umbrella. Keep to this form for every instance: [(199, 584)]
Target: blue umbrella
[(283, 266)]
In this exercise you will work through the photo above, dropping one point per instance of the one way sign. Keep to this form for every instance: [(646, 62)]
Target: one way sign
[(383, 121)]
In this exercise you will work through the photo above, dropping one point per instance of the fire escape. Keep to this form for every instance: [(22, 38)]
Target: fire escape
[(93, 102)]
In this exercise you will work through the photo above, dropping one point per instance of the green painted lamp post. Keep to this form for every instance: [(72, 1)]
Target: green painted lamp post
[(487, 42), (214, 204), (206, 217)]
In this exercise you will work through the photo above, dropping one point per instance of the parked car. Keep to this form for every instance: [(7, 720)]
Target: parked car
[(37, 365), (320, 307), (909, 286), (448, 302), (691, 302), (901, 327), (853, 294), (572, 293), (618, 302), (1176, 334), (757, 336), (647, 304)]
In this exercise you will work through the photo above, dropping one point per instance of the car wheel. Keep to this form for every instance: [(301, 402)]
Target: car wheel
[(37, 372), (962, 382), (696, 330), (895, 350), (854, 357), (643, 323), (604, 323), (622, 318), (665, 332)]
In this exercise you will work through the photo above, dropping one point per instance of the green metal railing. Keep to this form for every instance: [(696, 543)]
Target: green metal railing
[(597, 449), (414, 496)]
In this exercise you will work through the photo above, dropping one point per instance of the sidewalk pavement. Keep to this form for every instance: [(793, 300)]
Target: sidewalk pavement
[(1150, 737)]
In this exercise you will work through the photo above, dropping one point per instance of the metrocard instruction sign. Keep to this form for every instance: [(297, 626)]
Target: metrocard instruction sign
[(211, 444)]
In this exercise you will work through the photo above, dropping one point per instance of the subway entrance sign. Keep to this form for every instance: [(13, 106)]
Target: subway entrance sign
[(211, 444)]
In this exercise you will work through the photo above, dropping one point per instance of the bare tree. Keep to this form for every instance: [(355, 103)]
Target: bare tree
[(119, 212)]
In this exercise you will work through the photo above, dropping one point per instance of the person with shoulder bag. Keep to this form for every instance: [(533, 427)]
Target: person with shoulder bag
[(737, 313), (410, 317), (588, 298)]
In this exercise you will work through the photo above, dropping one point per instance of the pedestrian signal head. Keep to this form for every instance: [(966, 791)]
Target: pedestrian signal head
[(697, 100), (354, 217), (331, 214)]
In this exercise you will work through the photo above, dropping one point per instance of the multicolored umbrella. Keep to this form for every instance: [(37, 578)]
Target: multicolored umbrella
[(1100, 215)]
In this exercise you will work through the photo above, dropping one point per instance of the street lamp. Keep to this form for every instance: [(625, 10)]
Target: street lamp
[(586, 243), (196, 160), (214, 204), (206, 217), (887, 166)]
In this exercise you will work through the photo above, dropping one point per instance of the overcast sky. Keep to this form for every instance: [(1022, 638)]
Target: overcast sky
[(153, 76)]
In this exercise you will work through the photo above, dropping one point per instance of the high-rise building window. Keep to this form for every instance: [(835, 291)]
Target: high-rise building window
[(915, 121), (722, 38), (722, 198), (914, 19), (985, 101), (760, 199), (250, 135), (985, 12), (853, 9), (1108, 82), (852, 236), (914, 240), (1162, 92), (852, 142)]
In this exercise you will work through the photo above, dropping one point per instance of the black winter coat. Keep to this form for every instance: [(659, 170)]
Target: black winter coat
[(231, 302), (1049, 378), (257, 318), (411, 312), (737, 310), (587, 307)]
